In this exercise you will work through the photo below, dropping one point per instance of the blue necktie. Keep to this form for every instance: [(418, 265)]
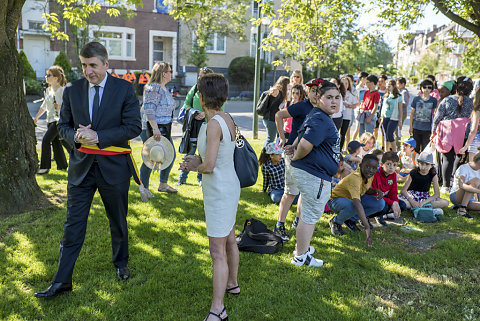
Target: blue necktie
[(96, 107)]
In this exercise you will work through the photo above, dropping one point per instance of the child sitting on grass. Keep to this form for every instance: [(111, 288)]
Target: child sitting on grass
[(379, 154), (368, 141), (416, 189), (466, 185), (273, 170), (408, 159), (353, 196), (385, 179), (353, 159)]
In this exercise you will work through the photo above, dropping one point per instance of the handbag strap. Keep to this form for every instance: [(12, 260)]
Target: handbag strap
[(237, 130)]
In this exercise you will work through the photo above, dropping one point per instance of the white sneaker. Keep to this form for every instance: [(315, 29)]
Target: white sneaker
[(310, 250), (149, 194), (143, 193), (306, 260), (445, 190)]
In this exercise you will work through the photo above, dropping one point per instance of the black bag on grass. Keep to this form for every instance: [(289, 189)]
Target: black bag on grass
[(256, 237)]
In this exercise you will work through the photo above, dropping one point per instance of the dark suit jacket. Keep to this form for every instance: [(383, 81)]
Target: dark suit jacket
[(118, 122)]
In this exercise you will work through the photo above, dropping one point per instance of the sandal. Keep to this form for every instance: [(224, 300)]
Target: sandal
[(229, 291), (462, 211), (217, 315), (168, 189)]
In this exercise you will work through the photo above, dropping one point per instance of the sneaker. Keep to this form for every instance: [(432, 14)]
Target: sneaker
[(445, 190), (306, 260), (380, 220), (280, 231), (180, 183), (199, 183), (351, 225), (389, 216), (462, 211), (335, 228), (149, 194), (310, 250), (295, 223)]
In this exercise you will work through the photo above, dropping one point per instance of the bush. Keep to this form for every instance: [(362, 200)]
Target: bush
[(63, 61), (28, 71), (33, 87), (241, 71)]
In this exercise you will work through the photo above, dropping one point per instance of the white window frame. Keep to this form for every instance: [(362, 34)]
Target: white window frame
[(124, 31), (215, 41), (163, 47), (105, 3)]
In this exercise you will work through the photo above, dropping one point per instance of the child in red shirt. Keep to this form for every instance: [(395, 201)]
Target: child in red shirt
[(368, 109), (385, 179)]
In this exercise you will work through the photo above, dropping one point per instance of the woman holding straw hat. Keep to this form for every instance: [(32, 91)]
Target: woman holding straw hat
[(158, 105), (221, 189)]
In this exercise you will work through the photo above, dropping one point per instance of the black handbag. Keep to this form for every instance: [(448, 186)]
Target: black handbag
[(257, 238), (262, 104), (245, 160)]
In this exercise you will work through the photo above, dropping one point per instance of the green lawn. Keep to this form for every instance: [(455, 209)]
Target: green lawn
[(171, 267)]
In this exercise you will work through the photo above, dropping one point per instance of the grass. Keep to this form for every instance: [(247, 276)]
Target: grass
[(171, 266)]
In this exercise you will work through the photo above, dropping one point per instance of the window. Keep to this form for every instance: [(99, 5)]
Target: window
[(119, 4), (157, 49), (217, 44), (35, 25), (119, 41), (254, 9)]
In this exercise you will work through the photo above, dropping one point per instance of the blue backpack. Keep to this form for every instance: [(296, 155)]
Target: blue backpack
[(428, 214)]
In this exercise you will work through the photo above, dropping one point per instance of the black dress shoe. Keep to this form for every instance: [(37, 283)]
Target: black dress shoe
[(351, 225), (123, 273), (56, 288)]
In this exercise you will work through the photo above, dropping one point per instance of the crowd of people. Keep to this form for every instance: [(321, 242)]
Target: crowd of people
[(311, 156)]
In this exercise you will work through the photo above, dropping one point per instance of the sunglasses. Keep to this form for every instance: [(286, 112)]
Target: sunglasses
[(428, 87), (48, 75)]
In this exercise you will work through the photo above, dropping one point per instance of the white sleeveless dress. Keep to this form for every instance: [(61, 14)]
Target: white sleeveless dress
[(221, 188)]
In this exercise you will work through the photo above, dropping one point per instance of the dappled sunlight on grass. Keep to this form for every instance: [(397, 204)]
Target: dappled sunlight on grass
[(148, 249), (399, 269)]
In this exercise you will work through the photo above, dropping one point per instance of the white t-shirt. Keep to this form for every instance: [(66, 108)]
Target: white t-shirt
[(467, 172), (350, 99)]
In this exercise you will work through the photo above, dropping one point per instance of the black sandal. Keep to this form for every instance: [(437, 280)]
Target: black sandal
[(217, 315), (462, 211), (229, 291)]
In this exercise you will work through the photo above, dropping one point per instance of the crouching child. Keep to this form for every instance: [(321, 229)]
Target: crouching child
[(353, 197)]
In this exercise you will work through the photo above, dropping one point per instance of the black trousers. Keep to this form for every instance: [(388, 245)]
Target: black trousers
[(450, 163), (343, 132), (338, 122), (79, 200), (422, 138), (52, 139)]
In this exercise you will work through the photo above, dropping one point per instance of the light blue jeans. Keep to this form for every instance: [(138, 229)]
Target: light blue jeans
[(345, 210), (271, 128), (364, 127)]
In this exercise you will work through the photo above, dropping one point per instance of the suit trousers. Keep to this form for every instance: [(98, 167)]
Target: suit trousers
[(79, 200)]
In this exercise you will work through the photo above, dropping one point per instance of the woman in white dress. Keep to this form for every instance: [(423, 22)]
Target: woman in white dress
[(221, 189)]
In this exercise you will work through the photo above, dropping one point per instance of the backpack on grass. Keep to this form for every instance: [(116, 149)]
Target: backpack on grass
[(428, 214), (256, 237)]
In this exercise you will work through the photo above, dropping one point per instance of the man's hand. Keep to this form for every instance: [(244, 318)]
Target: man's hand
[(200, 116), (86, 135), (289, 150), (369, 237), (281, 142)]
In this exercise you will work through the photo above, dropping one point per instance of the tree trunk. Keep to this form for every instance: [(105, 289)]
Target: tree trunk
[(19, 190)]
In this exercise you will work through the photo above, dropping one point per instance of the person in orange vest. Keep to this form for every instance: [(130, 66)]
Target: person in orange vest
[(114, 74), (129, 76), (143, 80)]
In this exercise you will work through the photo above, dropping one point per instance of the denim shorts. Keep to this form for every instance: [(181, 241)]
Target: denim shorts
[(454, 202)]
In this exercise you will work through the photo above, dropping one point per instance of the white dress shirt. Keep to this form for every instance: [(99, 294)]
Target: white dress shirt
[(91, 94)]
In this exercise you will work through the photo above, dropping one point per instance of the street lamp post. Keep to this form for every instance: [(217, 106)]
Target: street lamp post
[(256, 84)]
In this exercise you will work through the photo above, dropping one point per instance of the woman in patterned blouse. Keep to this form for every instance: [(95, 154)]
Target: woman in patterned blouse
[(158, 105)]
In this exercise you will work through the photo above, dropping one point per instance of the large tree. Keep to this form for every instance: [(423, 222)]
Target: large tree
[(18, 156)]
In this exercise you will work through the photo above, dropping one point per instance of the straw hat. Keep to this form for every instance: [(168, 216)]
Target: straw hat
[(157, 155)]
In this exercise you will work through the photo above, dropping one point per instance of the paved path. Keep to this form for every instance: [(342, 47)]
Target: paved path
[(241, 111)]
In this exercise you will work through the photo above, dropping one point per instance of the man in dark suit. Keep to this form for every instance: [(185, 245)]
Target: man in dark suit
[(99, 115)]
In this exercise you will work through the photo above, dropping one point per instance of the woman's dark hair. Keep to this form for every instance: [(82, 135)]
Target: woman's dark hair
[(325, 86), (351, 77), (426, 82), (395, 91), (349, 88), (434, 81), (281, 85), (302, 91), (263, 158), (476, 100), (377, 152), (214, 90), (464, 88), (341, 87), (363, 74), (94, 49), (402, 80)]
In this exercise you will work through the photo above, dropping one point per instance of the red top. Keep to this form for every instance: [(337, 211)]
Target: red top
[(386, 184), (370, 98)]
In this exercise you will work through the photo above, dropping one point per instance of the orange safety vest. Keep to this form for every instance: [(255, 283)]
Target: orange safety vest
[(115, 75), (129, 77), (143, 79)]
